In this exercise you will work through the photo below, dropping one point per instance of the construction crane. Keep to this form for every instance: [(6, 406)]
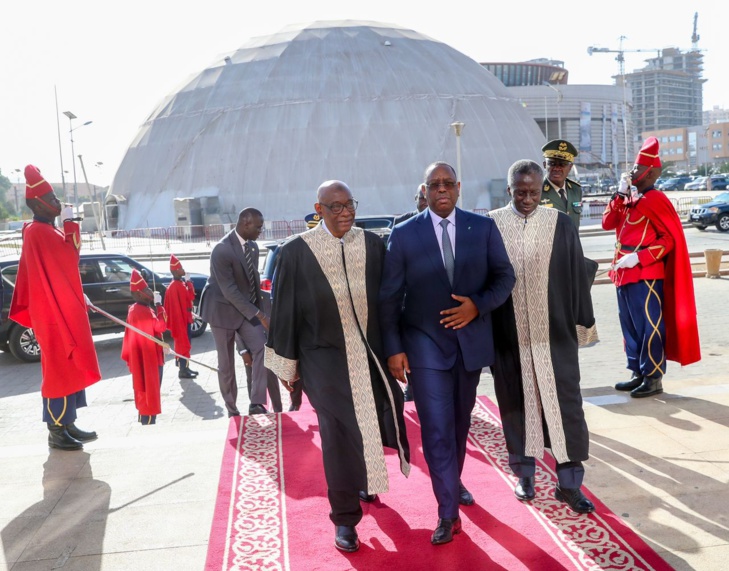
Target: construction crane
[(695, 36), (620, 58)]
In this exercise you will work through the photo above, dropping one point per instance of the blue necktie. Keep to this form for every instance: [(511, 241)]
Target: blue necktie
[(448, 259)]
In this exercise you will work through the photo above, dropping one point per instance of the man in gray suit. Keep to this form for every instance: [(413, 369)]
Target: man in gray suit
[(230, 303)]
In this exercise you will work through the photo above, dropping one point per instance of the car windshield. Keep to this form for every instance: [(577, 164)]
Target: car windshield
[(723, 197)]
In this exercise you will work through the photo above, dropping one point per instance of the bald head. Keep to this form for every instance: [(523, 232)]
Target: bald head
[(328, 188), (336, 206)]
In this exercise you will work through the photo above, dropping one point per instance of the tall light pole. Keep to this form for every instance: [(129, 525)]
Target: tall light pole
[(458, 128), (71, 129), (559, 100), (17, 205)]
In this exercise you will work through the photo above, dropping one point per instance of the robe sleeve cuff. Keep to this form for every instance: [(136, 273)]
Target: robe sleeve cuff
[(587, 336), (283, 368)]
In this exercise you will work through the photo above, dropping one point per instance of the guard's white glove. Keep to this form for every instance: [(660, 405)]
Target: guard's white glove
[(185, 277), (624, 187), (629, 261), (87, 300), (157, 298), (66, 213)]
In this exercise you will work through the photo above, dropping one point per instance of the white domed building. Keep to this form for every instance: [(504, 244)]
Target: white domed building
[(367, 103)]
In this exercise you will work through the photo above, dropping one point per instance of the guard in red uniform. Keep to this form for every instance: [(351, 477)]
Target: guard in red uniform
[(652, 272), (144, 357), (48, 297), (179, 299)]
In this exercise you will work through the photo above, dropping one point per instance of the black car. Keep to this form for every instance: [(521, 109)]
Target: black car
[(675, 183), (105, 279), (715, 212)]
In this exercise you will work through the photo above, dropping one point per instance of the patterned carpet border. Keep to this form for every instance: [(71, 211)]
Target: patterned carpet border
[(249, 528)]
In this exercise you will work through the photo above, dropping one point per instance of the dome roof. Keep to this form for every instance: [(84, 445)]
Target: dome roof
[(367, 103)]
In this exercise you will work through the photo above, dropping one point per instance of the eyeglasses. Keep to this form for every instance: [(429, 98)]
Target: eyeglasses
[(337, 207), (435, 185), (420, 197)]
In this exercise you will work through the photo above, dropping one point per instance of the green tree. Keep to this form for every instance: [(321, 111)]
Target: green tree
[(7, 198)]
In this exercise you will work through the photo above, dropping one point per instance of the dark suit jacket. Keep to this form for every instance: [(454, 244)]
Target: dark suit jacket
[(415, 289), (224, 301)]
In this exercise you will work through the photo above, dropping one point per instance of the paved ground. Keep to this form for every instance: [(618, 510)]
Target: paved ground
[(143, 497)]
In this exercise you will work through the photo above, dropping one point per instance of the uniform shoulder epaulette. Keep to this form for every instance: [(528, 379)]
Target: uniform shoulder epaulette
[(573, 182)]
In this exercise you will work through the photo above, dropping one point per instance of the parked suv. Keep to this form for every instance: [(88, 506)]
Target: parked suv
[(675, 183), (715, 212), (105, 279), (718, 182)]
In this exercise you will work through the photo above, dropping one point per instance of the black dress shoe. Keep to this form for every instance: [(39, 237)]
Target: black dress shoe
[(233, 413), (189, 370), (185, 374), (465, 498), (445, 531), (345, 538), (80, 435), (367, 498), (293, 408), (633, 383), (524, 490), (650, 386), (60, 439), (257, 409), (575, 498)]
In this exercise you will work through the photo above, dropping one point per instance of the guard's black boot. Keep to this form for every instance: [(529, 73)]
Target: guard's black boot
[(80, 435), (650, 386), (60, 439), (635, 381), (186, 374)]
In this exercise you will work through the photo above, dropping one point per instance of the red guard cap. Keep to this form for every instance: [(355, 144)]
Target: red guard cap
[(649, 154), (137, 282), (175, 263), (35, 184)]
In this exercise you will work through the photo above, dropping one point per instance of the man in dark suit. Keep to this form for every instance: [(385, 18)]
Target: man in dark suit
[(435, 314), (421, 203), (230, 303)]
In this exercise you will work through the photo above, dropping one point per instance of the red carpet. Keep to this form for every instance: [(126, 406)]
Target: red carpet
[(272, 511)]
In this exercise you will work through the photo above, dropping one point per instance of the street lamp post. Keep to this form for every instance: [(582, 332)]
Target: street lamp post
[(71, 129), (17, 204), (559, 100), (458, 129)]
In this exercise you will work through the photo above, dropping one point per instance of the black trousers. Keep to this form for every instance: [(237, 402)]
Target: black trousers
[(346, 509)]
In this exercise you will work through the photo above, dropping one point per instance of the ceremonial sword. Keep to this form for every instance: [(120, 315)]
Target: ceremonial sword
[(165, 346)]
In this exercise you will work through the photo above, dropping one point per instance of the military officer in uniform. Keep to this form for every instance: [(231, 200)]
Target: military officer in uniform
[(558, 191)]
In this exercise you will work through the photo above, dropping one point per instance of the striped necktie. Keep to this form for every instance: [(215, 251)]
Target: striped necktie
[(252, 290)]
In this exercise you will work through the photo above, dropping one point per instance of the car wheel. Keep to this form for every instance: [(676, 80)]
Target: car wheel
[(198, 326), (723, 223), (24, 345)]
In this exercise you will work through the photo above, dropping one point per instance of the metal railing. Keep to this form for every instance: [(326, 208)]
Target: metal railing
[(194, 239)]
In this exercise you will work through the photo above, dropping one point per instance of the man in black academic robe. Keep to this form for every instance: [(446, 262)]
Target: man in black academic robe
[(537, 333), (325, 333)]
